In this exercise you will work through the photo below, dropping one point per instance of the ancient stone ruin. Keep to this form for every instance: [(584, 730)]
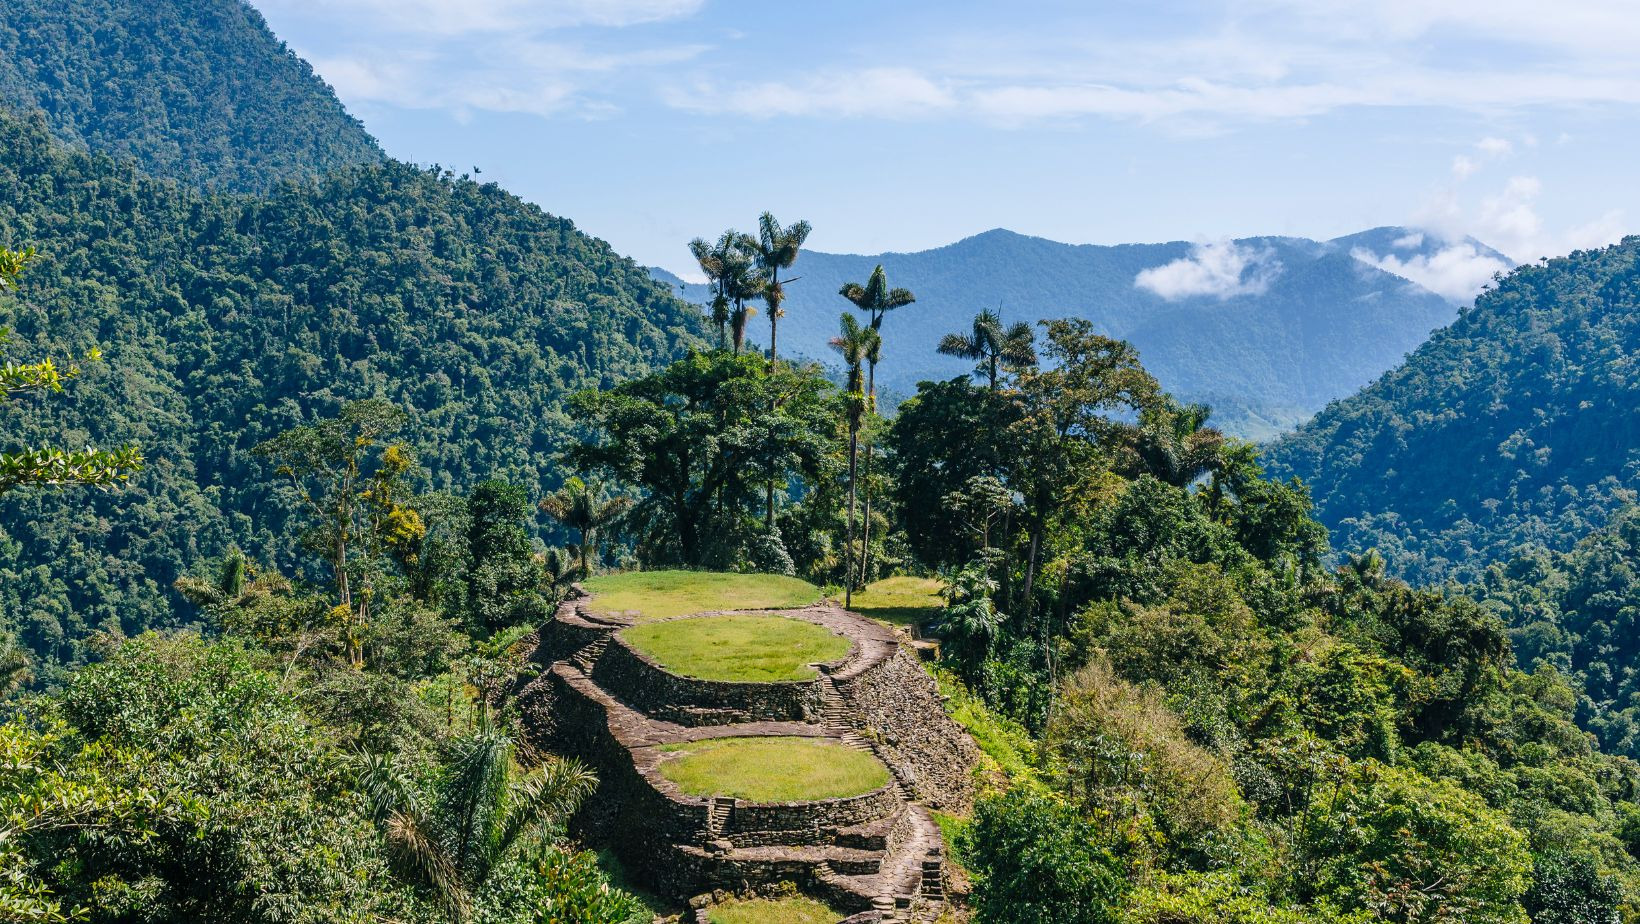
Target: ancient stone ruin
[(874, 856)]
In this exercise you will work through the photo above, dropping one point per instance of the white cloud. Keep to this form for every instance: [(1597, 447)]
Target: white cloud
[(1221, 269), (1456, 272), (876, 92), (441, 17), (1494, 147), (1410, 241), (1464, 166)]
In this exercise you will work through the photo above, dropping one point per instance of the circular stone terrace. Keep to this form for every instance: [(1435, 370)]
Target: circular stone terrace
[(724, 713)]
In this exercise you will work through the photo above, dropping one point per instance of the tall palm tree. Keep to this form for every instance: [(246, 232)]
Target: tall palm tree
[(576, 505), (777, 249), (993, 346), (855, 342), (449, 835), (712, 259), (16, 670), (1174, 443), (876, 299)]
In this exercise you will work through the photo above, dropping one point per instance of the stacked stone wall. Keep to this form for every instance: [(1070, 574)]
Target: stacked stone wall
[(635, 679), (901, 706)]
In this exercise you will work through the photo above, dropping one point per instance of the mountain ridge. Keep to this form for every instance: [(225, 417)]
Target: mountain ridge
[(1268, 351)]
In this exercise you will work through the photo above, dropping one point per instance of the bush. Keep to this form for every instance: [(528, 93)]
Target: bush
[(1036, 860)]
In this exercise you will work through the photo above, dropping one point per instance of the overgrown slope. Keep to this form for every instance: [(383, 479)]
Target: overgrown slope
[(227, 320), (197, 90), (1517, 425)]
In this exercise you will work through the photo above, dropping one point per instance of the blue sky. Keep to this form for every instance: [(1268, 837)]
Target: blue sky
[(907, 125)]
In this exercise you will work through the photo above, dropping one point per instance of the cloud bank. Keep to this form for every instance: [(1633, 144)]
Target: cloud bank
[(1221, 269)]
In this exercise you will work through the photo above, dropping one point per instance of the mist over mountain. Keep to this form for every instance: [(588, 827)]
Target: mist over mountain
[(1266, 329)]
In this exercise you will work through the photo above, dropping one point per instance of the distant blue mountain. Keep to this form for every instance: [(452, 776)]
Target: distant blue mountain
[(1266, 329)]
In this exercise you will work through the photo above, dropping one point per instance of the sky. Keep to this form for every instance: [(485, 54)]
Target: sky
[(908, 125)]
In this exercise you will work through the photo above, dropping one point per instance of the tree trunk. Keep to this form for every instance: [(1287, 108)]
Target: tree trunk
[(1030, 566), (848, 548), (865, 523)]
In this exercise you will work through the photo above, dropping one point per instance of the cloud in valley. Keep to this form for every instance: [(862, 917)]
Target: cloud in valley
[(1221, 269)]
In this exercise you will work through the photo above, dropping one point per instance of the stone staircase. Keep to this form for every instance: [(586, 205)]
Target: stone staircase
[(588, 656)]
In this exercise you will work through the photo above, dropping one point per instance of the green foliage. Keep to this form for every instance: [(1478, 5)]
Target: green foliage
[(701, 439), (1407, 848), (196, 90), (451, 832), (555, 886), (226, 802), (1513, 426), (1570, 889), (229, 321), (1035, 860)]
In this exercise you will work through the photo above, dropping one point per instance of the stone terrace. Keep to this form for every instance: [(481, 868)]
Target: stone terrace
[(875, 856)]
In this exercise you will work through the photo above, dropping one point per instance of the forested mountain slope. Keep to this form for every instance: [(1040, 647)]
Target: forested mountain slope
[(227, 320), (197, 90), (1294, 324), (1515, 426)]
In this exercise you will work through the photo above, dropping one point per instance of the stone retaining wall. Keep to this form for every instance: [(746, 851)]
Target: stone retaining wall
[(901, 706), (634, 678)]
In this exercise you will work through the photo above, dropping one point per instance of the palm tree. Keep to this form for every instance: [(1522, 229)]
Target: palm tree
[(576, 505), (991, 345), (449, 835), (855, 342), (1174, 443), (876, 299), (742, 282), (712, 259), (777, 249)]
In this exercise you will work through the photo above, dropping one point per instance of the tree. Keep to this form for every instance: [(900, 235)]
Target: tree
[(1174, 443), (994, 347), (855, 343), (1037, 861), (502, 577), (1073, 410), (51, 466), (350, 490), (777, 249), (577, 506), (876, 299), (701, 439), (714, 260), (449, 834)]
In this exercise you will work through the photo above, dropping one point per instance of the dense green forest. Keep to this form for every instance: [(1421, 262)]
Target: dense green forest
[(226, 320), (196, 90), (1513, 427)]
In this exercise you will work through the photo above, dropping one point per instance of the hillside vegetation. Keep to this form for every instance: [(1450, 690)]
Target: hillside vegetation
[(226, 321), (1515, 426), (196, 90)]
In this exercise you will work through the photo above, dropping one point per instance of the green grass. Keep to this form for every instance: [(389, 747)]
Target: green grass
[(900, 600), (772, 911), (740, 647), (1004, 742), (663, 594), (776, 769)]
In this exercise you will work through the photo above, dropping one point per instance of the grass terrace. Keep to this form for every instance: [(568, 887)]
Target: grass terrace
[(664, 594), (772, 769), (739, 647), (901, 601), (772, 911)]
